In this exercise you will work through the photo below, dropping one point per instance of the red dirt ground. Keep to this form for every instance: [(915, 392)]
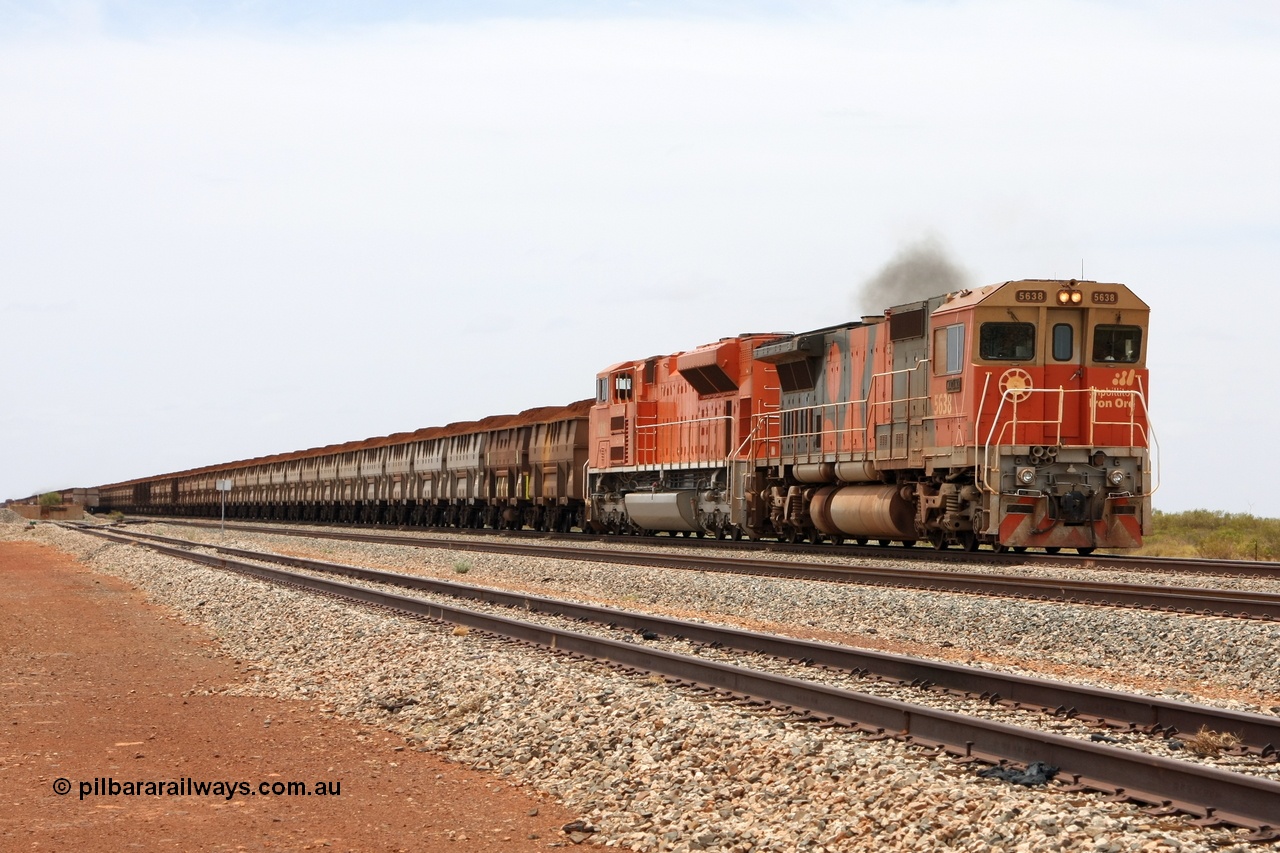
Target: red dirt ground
[(94, 684)]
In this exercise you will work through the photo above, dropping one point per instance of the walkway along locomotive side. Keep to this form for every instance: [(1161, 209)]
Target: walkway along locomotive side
[(1013, 415)]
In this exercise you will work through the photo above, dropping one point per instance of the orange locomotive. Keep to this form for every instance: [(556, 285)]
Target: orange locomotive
[(1013, 415)]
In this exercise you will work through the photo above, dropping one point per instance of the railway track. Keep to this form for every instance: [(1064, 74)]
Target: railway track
[(1117, 562), (1191, 600), (1210, 794)]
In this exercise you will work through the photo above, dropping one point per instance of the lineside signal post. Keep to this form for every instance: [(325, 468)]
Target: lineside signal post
[(223, 486)]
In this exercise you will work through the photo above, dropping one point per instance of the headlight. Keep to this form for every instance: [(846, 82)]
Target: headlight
[(1064, 296), (1026, 476), (1076, 297), (1115, 477)]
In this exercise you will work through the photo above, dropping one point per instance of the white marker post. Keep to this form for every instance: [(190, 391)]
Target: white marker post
[(224, 486)]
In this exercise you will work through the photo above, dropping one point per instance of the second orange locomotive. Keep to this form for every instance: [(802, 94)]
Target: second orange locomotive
[(1013, 415)]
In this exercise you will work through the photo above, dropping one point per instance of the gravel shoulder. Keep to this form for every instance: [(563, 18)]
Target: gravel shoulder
[(650, 766), (1207, 659), (101, 684)]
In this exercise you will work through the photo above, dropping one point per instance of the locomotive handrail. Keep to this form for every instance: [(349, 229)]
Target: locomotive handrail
[(760, 420), (875, 450), (1010, 426), (1153, 443), (680, 424), (1149, 434), (869, 406), (980, 468), (752, 440), (819, 433)]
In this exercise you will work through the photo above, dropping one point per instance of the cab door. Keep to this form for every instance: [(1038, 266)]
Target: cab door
[(1064, 369)]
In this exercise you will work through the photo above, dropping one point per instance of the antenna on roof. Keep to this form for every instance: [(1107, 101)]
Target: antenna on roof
[(1082, 269)]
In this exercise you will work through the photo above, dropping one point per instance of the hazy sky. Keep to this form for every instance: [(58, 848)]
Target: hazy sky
[(229, 229)]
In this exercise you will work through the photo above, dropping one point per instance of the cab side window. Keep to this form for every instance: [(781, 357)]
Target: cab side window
[(948, 350), (1007, 341), (1120, 344), (621, 387)]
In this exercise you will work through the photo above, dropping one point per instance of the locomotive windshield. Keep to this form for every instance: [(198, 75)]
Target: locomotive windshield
[(1007, 341), (1121, 344)]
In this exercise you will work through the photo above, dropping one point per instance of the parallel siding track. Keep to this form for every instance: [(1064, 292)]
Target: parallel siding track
[(1197, 600)]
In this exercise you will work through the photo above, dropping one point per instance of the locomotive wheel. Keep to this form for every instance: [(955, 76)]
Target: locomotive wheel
[(719, 533), (968, 541), (938, 540), (737, 534), (1052, 549), (1084, 552)]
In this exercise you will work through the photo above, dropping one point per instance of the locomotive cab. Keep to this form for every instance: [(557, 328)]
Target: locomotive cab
[(1052, 402)]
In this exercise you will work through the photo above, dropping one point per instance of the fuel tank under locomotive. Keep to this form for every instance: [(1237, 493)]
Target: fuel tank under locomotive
[(664, 510), (869, 512)]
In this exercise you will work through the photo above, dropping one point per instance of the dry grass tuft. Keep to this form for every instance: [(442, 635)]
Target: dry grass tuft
[(461, 630), (1206, 742), (1213, 535)]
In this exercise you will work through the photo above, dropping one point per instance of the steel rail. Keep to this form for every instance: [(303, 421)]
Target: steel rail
[(1195, 600), (1216, 796), (1115, 709), (1118, 562)]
